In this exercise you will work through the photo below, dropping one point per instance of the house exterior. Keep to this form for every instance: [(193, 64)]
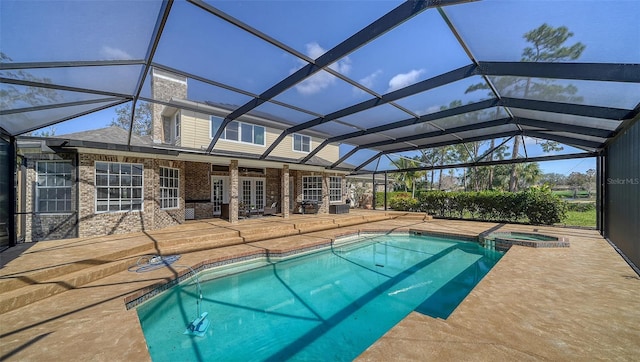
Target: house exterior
[(91, 183)]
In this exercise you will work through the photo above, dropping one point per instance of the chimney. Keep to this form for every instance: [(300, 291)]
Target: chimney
[(164, 87)]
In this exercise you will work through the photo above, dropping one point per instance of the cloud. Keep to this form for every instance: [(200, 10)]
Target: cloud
[(315, 84), (431, 109), (369, 80), (404, 79), (321, 80), (110, 53), (314, 50)]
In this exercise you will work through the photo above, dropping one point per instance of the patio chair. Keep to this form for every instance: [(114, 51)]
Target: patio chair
[(271, 210)]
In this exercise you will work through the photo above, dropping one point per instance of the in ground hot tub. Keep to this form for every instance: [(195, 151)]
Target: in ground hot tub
[(503, 240)]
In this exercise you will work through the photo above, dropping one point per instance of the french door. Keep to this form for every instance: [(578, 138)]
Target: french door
[(252, 192), (219, 192)]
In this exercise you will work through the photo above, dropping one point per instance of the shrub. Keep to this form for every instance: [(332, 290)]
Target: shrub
[(543, 207), (404, 204), (390, 195), (538, 205), (433, 202)]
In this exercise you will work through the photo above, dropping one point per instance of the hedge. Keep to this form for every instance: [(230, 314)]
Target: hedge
[(536, 205), (390, 195)]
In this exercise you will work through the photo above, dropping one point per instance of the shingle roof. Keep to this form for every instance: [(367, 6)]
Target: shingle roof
[(112, 134)]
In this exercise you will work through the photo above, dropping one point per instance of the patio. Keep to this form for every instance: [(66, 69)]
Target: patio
[(163, 109), (571, 303)]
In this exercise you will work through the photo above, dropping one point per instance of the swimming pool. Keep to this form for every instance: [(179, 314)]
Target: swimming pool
[(330, 305)]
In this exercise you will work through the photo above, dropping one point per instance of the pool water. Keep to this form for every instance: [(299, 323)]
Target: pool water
[(330, 305)]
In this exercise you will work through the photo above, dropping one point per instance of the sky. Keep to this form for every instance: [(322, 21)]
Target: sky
[(202, 44)]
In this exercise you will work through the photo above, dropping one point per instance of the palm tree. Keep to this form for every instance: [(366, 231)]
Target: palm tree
[(408, 178), (530, 174)]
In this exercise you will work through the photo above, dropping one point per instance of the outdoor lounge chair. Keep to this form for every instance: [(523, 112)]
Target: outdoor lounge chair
[(272, 210)]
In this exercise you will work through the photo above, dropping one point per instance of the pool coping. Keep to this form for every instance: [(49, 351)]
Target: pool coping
[(544, 304), (133, 300), (141, 296), (503, 240)]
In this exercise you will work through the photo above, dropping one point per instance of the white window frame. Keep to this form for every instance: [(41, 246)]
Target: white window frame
[(335, 192), (241, 125), (255, 199), (172, 129), (176, 124), (169, 188), (312, 188), (302, 137), (130, 201), (224, 182), (43, 188)]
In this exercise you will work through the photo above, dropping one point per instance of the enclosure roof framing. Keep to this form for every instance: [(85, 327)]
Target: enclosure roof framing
[(390, 79), (498, 162)]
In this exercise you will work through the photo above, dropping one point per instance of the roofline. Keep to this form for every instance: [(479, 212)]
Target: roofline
[(169, 153), (208, 109)]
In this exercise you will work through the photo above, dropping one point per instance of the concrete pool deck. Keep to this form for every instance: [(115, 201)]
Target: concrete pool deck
[(571, 303)]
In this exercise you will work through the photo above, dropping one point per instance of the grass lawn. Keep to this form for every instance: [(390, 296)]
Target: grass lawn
[(578, 218)]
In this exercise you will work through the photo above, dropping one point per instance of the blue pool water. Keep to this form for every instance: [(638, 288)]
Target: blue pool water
[(330, 305)]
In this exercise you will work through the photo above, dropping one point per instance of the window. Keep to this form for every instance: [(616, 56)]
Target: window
[(231, 132), (171, 126), (239, 131), (301, 143), (169, 188), (312, 188), (176, 122), (118, 186), (335, 188), (53, 188)]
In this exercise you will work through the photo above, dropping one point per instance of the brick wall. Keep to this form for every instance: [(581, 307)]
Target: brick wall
[(52, 227), (48, 226), (198, 181), (164, 86), (198, 189), (273, 192), (324, 205), (173, 216), (150, 218), (195, 192)]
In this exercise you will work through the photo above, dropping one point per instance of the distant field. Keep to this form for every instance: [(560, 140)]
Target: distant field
[(578, 218), (567, 194)]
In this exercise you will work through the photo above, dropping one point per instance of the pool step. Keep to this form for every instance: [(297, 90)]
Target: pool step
[(318, 224), (194, 236), (194, 244), (23, 288), (377, 217), (419, 216), (43, 289), (349, 221), (39, 276), (268, 232)]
